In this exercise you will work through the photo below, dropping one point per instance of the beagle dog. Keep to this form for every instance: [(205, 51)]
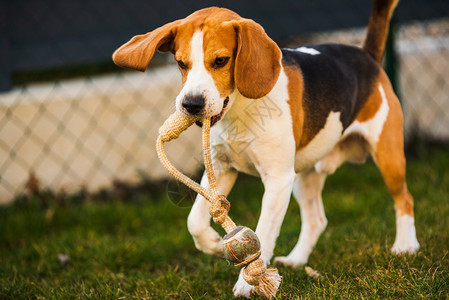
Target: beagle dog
[(290, 116)]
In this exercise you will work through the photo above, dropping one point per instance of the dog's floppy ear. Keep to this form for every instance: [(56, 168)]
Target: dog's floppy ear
[(137, 52), (257, 62)]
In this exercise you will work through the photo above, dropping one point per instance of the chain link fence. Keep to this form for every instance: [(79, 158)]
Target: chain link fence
[(97, 126), (86, 133)]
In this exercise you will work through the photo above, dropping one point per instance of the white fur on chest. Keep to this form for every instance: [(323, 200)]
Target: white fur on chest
[(256, 135)]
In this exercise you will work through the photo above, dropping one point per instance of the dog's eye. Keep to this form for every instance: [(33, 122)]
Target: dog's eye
[(220, 62), (181, 64)]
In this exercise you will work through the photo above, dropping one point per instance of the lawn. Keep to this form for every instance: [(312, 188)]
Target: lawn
[(138, 246)]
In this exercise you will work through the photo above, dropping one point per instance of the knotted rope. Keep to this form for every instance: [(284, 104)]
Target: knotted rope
[(241, 245)]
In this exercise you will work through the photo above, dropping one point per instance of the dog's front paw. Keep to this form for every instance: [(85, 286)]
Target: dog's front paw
[(209, 242), (287, 261), (242, 288)]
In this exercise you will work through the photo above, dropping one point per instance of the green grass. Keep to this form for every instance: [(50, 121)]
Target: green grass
[(121, 249)]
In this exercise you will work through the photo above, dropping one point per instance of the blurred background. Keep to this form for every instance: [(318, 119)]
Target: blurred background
[(71, 121)]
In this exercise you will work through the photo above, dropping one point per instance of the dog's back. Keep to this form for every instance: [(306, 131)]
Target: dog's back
[(336, 77), (340, 78)]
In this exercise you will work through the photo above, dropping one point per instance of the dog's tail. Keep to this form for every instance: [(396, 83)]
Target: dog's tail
[(377, 31)]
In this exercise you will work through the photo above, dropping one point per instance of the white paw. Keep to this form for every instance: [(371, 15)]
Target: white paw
[(243, 289), (406, 241), (209, 242), (403, 247), (289, 262)]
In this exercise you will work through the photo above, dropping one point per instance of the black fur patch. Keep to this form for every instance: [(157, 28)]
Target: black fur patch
[(339, 79)]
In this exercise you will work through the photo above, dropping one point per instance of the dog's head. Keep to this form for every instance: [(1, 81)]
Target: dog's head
[(217, 52)]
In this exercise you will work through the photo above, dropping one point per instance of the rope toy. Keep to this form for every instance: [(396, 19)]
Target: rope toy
[(241, 245)]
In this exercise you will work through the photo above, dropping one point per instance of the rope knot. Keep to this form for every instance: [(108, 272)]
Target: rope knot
[(253, 272), (219, 209), (266, 281)]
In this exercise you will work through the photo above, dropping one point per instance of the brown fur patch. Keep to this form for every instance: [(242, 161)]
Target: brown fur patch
[(295, 93), (257, 65), (220, 41), (389, 154), (371, 106)]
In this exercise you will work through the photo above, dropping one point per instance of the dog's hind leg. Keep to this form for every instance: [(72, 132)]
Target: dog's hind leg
[(205, 237), (307, 191), (388, 153)]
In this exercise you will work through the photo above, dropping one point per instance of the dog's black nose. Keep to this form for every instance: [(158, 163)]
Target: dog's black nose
[(193, 105)]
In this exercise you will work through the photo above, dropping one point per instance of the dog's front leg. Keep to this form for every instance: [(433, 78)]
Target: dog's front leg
[(274, 206), (205, 237)]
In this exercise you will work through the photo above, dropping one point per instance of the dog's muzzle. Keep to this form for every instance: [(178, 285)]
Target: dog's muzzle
[(194, 104), (216, 118)]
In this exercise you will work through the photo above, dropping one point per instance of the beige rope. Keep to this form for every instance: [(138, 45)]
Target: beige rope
[(171, 129), (220, 205), (266, 282)]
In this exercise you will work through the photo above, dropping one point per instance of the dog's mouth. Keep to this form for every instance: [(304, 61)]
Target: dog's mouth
[(216, 118)]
